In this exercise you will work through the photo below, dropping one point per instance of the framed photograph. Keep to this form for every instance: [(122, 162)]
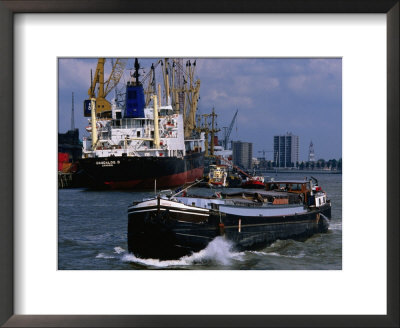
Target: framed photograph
[(49, 49), (261, 222)]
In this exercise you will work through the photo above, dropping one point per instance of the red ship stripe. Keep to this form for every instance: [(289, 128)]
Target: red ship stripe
[(162, 182)]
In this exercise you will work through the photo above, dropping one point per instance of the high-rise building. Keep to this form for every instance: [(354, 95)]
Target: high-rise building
[(311, 154), (242, 154), (286, 150)]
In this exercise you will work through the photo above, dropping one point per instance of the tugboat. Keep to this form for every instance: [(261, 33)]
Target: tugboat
[(255, 181), (146, 138), (171, 226), (217, 176), (251, 181)]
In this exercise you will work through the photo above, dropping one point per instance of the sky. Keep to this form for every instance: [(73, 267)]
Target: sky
[(274, 96)]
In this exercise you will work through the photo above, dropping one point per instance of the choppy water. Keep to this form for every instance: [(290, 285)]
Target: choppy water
[(92, 229)]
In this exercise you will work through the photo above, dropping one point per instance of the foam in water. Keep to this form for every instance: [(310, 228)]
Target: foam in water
[(218, 251), (258, 252), (298, 256), (104, 256), (119, 250), (335, 226), (279, 248)]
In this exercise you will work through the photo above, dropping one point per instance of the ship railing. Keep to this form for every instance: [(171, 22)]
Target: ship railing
[(257, 204), (133, 150), (133, 153), (242, 203), (139, 144)]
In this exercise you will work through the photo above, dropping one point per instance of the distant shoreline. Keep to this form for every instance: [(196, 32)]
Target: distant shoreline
[(299, 171)]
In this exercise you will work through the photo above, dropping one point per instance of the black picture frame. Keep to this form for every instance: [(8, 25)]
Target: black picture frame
[(7, 10)]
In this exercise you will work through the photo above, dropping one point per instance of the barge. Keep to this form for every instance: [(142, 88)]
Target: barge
[(169, 227)]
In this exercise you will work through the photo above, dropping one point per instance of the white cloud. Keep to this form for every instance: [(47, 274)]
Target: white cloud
[(75, 72), (298, 83)]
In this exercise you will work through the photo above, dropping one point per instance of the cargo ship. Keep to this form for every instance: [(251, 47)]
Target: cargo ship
[(169, 227), (147, 140)]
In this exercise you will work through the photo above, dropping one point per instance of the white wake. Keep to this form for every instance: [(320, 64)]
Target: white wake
[(219, 251)]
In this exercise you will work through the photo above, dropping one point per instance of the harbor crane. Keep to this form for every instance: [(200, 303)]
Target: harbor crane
[(229, 130), (103, 106)]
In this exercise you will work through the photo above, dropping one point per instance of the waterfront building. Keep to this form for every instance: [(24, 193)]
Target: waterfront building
[(255, 162), (242, 154), (311, 154), (286, 150)]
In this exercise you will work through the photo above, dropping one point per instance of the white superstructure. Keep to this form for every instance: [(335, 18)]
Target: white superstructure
[(136, 136)]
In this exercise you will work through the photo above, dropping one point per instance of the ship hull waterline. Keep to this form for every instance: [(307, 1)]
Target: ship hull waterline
[(142, 172), (165, 234)]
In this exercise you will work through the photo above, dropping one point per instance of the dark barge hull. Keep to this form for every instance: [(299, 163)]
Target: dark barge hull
[(160, 233), (140, 172)]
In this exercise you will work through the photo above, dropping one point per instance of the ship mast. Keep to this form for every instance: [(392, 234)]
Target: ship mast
[(207, 131), (152, 86), (204, 128), (213, 130), (180, 90), (192, 97), (72, 114), (184, 91)]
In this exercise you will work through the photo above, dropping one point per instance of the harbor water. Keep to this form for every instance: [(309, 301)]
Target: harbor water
[(92, 235)]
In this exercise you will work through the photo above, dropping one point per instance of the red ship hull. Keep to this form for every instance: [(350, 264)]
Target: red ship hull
[(142, 172)]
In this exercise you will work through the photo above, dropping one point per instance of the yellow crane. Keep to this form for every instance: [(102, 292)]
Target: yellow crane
[(103, 106), (192, 91), (180, 89), (152, 85)]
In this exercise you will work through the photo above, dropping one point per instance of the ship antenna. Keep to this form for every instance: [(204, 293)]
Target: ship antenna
[(137, 71), (72, 114), (155, 187)]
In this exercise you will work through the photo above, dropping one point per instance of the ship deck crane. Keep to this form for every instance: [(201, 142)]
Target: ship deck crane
[(205, 128), (186, 93), (103, 106), (228, 132), (181, 90)]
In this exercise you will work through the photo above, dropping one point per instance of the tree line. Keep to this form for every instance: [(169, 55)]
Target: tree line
[(321, 164)]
